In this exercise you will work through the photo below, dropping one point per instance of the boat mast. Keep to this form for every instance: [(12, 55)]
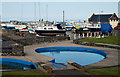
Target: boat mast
[(21, 12), (39, 13), (35, 11), (63, 19), (0, 20), (47, 14)]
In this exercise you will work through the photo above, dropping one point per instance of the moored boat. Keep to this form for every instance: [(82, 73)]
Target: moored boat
[(49, 31), (8, 26)]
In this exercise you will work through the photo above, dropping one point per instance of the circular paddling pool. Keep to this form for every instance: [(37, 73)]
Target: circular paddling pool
[(81, 55), (15, 64)]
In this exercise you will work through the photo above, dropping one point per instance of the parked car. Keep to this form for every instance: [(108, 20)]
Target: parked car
[(117, 27)]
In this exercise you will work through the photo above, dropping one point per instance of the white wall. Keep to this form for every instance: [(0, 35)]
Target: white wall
[(113, 23)]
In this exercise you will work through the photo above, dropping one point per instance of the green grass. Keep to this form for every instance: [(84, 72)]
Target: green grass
[(25, 73), (112, 71), (107, 40)]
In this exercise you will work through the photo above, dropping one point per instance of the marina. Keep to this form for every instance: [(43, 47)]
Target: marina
[(51, 38)]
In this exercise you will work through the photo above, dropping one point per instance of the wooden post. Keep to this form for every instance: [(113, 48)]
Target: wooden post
[(108, 34), (94, 34), (115, 33), (112, 33)]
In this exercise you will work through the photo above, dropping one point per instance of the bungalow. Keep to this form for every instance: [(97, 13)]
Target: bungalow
[(104, 18)]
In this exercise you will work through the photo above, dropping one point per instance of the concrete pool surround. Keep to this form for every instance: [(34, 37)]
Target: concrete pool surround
[(67, 49)]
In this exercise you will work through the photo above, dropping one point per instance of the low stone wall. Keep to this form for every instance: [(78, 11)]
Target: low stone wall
[(13, 44), (37, 40), (12, 49), (30, 39), (96, 44)]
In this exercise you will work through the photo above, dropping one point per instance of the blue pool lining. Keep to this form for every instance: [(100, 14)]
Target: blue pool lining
[(17, 61), (84, 49)]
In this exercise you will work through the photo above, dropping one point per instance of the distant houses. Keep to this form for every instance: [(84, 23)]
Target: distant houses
[(104, 18)]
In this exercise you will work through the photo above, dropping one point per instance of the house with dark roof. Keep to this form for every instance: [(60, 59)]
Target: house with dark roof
[(104, 18)]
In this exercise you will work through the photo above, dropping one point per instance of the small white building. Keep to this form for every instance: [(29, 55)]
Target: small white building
[(114, 20)]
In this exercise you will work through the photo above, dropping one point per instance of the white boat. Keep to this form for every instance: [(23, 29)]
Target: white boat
[(20, 26), (8, 26), (31, 29), (68, 27), (49, 31)]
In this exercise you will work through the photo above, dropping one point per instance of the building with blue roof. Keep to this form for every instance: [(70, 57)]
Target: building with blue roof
[(104, 18)]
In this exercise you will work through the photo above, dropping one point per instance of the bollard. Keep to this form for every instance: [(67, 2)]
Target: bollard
[(87, 34), (94, 34), (91, 34), (83, 35), (79, 35), (97, 33), (74, 36)]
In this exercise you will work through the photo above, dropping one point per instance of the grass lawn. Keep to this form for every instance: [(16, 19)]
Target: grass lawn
[(107, 40), (112, 71), (36, 73)]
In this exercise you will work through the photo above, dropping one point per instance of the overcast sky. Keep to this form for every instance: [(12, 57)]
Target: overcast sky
[(76, 11)]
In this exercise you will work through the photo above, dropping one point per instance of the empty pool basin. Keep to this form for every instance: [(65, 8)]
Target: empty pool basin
[(16, 64), (81, 55)]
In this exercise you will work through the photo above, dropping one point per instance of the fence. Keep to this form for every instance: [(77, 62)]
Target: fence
[(78, 35), (96, 34), (116, 32)]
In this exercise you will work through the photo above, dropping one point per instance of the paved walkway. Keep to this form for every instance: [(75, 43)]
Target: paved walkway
[(31, 55)]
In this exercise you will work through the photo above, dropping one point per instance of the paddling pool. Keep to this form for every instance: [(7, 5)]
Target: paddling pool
[(16, 64), (81, 55)]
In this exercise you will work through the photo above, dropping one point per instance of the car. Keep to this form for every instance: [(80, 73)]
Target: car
[(117, 27)]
